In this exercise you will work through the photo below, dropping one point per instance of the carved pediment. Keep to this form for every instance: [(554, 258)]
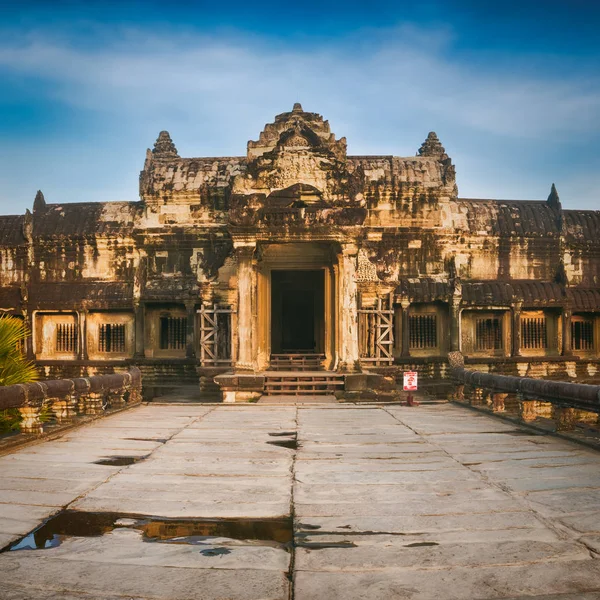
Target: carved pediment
[(297, 130)]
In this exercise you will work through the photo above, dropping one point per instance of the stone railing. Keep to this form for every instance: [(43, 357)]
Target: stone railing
[(569, 402), (67, 398)]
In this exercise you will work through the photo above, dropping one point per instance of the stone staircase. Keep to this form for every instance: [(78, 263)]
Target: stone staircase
[(295, 383), (297, 362)]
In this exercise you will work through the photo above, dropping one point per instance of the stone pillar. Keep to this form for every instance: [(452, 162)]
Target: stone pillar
[(477, 397), (93, 403), (527, 409), (190, 348), (82, 353), (246, 305), (455, 325), (405, 329), (348, 297), (29, 345), (564, 418), (31, 423), (516, 329), (139, 329), (567, 342), (498, 402), (116, 398), (459, 393)]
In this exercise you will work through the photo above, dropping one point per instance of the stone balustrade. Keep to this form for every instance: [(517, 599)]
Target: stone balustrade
[(67, 398), (569, 402)]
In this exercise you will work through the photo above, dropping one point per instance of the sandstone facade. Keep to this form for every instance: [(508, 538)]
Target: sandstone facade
[(365, 262)]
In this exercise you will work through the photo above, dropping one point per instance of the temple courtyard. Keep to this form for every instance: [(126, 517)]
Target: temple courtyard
[(320, 501)]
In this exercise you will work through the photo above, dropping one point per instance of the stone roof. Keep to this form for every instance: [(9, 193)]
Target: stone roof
[(84, 219), (583, 299), (71, 295), (503, 293), (522, 218), (423, 290), (11, 230)]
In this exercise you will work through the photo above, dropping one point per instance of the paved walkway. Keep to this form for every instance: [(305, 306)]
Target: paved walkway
[(388, 502)]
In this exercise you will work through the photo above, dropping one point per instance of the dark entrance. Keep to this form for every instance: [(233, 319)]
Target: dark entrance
[(297, 311)]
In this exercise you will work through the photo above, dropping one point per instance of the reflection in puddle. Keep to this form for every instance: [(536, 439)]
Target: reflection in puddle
[(292, 444), (70, 523), (119, 461), (420, 544)]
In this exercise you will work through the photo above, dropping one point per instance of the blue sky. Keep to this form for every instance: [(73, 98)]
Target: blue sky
[(511, 88)]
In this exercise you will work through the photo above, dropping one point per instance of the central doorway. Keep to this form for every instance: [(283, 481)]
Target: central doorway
[(297, 312)]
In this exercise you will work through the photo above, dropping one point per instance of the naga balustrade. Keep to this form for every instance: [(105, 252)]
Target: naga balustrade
[(67, 398), (567, 399)]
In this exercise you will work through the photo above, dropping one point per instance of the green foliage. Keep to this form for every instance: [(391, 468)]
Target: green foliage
[(14, 367), (46, 413), (10, 420)]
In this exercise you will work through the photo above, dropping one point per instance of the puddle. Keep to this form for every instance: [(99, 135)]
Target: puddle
[(420, 544), (159, 440), (325, 545), (70, 523), (292, 444), (215, 552), (120, 461)]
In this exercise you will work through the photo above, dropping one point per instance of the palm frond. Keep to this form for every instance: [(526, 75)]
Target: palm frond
[(14, 367)]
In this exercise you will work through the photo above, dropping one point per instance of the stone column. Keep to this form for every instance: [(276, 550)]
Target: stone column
[(405, 328), (527, 409), (30, 415), (498, 402), (567, 342), (82, 353), (246, 305), (455, 324), (516, 329), (139, 329), (190, 349), (29, 343), (348, 297), (564, 418)]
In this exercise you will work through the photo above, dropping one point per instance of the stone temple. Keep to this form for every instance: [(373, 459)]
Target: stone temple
[(299, 269)]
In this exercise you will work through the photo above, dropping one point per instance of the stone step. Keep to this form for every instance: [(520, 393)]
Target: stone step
[(297, 362), (303, 384)]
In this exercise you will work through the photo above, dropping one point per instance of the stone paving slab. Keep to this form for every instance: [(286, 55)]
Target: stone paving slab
[(390, 502)]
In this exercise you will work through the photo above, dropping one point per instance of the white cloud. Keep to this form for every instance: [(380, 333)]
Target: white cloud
[(403, 70), (384, 90)]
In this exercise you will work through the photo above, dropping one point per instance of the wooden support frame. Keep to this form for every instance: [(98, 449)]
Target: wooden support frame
[(376, 333), (215, 335)]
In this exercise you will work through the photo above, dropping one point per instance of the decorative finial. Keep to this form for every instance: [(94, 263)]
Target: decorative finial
[(553, 199), (39, 204), (431, 146), (164, 146), (297, 107)]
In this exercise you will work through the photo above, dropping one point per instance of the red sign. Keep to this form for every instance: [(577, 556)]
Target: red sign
[(410, 381)]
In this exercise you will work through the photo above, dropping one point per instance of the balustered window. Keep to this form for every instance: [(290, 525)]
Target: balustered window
[(582, 333), (488, 333), (422, 331), (66, 337), (173, 333), (534, 333), (111, 337)]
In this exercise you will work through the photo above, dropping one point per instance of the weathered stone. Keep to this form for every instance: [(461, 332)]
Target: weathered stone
[(184, 282)]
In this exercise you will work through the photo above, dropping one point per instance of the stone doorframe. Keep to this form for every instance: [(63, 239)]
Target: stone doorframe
[(256, 261)]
